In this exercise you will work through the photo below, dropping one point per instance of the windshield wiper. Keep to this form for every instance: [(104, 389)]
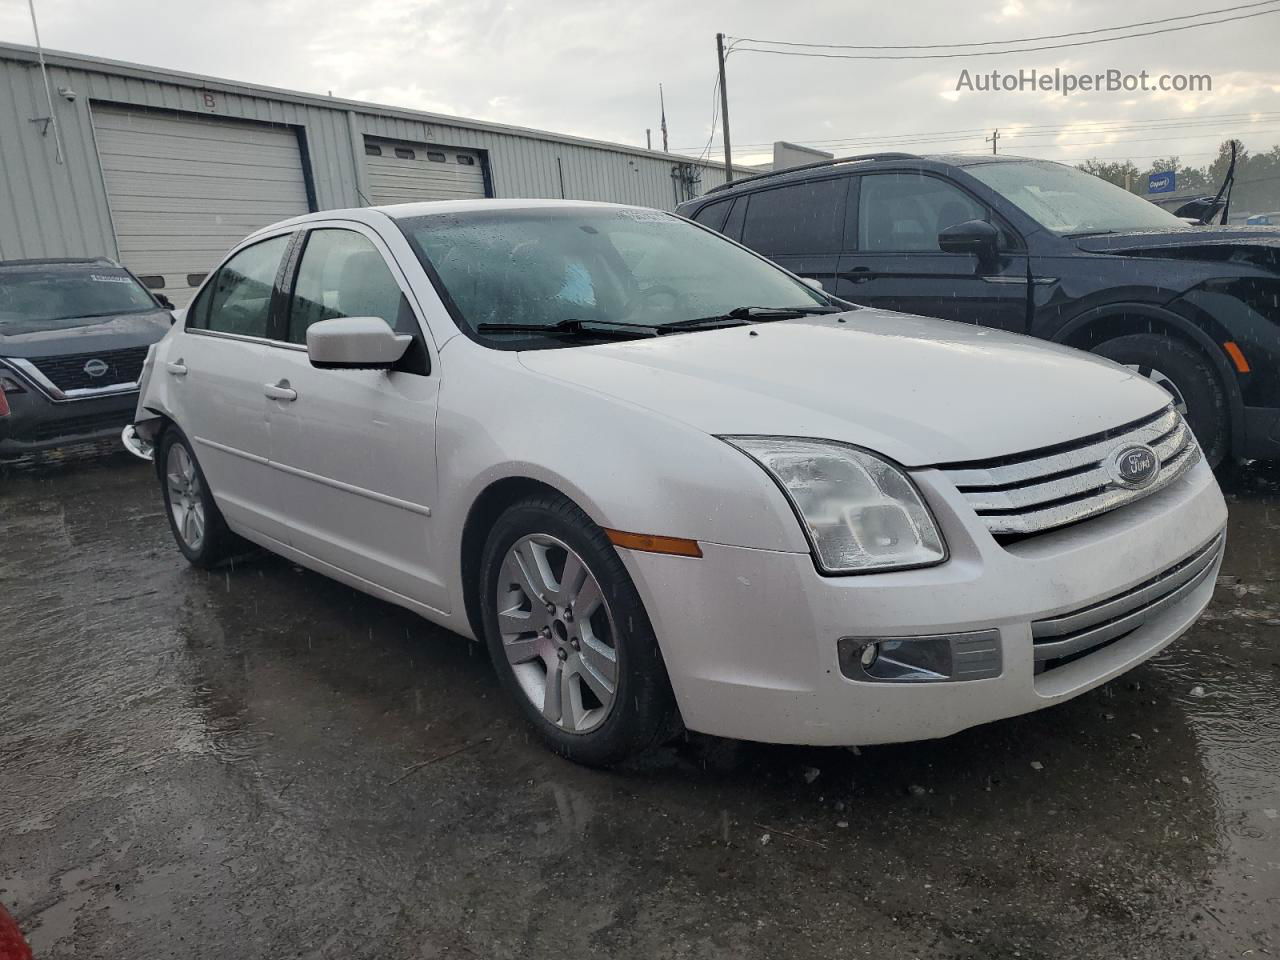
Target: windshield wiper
[(740, 315), (576, 328)]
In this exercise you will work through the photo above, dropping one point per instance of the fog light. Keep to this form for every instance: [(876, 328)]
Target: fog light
[(948, 656)]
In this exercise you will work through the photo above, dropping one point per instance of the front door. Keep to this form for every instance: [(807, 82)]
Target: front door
[(899, 266), (216, 369), (353, 451)]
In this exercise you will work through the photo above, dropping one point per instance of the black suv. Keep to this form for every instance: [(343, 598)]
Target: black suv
[(73, 337), (1043, 249)]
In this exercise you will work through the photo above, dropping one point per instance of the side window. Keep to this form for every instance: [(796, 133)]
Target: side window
[(800, 218), (238, 300), (342, 274), (904, 212), (713, 214)]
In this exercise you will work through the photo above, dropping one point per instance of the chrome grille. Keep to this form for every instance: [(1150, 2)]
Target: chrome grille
[(1080, 631), (1023, 495)]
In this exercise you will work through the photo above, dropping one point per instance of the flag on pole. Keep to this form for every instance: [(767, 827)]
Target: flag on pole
[(663, 107)]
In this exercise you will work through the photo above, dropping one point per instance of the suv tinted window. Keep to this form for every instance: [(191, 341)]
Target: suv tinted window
[(905, 211), (238, 300), (713, 214), (800, 218), (342, 274)]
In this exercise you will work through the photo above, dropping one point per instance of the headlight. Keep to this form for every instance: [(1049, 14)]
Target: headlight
[(861, 513)]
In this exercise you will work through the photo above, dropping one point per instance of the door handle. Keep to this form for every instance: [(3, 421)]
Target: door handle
[(280, 391), (177, 368), (858, 275)]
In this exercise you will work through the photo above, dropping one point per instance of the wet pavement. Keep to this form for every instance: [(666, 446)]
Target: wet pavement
[(259, 762)]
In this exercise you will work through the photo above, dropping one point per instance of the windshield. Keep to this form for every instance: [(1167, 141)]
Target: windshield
[(549, 266), (1069, 201), (45, 298)]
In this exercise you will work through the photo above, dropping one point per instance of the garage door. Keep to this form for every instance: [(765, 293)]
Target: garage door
[(184, 188), (408, 172)]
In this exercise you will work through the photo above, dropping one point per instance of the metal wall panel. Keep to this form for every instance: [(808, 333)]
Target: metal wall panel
[(51, 209)]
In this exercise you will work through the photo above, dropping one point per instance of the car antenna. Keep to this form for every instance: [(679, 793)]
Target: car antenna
[(1227, 183)]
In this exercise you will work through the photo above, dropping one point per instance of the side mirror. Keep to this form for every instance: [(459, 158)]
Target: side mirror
[(355, 343), (814, 283), (973, 236), (164, 301)]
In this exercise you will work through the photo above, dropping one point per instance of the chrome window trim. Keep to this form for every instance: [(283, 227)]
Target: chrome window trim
[(243, 338), (28, 371)]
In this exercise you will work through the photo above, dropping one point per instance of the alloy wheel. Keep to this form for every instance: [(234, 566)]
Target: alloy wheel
[(1162, 380), (558, 633), (186, 502)]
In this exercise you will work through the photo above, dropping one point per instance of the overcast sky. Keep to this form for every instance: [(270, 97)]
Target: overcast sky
[(593, 68)]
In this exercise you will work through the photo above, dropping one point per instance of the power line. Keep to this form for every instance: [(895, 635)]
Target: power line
[(997, 53), (1055, 146), (988, 43), (1021, 130)]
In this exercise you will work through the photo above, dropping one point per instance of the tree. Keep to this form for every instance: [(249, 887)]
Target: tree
[(1121, 173)]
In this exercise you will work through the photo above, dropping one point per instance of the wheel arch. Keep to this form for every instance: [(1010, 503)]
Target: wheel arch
[(483, 514), (1122, 319)]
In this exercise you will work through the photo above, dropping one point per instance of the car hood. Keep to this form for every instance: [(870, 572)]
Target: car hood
[(82, 334), (1193, 243), (918, 390)]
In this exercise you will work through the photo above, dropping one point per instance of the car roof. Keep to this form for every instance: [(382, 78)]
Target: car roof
[(822, 168), (426, 208)]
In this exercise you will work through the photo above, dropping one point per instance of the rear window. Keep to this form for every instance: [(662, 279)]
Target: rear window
[(43, 298)]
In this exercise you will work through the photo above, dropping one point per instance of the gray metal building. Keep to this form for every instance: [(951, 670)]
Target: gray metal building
[(165, 170)]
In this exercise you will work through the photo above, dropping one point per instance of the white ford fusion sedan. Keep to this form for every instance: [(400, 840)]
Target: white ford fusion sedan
[(667, 482)]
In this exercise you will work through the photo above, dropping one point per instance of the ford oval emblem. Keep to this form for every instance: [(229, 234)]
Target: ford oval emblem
[(96, 367), (1135, 466)]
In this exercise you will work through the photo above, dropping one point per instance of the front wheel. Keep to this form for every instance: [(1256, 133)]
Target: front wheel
[(569, 636), (201, 533), (1187, 375)]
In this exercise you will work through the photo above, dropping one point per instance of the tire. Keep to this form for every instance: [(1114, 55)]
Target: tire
[(187, 502), (555, 662), (1188, 376)]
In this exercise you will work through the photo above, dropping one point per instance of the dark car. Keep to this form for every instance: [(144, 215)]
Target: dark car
[(73, 337), (1043, 249)]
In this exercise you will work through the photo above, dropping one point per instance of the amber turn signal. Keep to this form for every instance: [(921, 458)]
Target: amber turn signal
[(676, 546)]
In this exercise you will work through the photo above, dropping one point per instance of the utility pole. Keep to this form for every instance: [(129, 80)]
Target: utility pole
[(995, 135), (724, 111)]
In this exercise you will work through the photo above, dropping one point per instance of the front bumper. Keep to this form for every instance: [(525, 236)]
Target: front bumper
[(750, 636), (36, 423)]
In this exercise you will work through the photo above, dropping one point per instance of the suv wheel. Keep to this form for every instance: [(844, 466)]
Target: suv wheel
[(1187, 375), (569, 636), (201, 533)]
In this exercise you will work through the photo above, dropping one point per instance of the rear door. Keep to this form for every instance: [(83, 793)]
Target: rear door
[(893, 226), (800, 226), (353, 451), (215, 372)]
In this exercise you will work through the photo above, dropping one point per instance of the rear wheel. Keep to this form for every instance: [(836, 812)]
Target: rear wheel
[(569, 636), (201, 533), (1189, 378)]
